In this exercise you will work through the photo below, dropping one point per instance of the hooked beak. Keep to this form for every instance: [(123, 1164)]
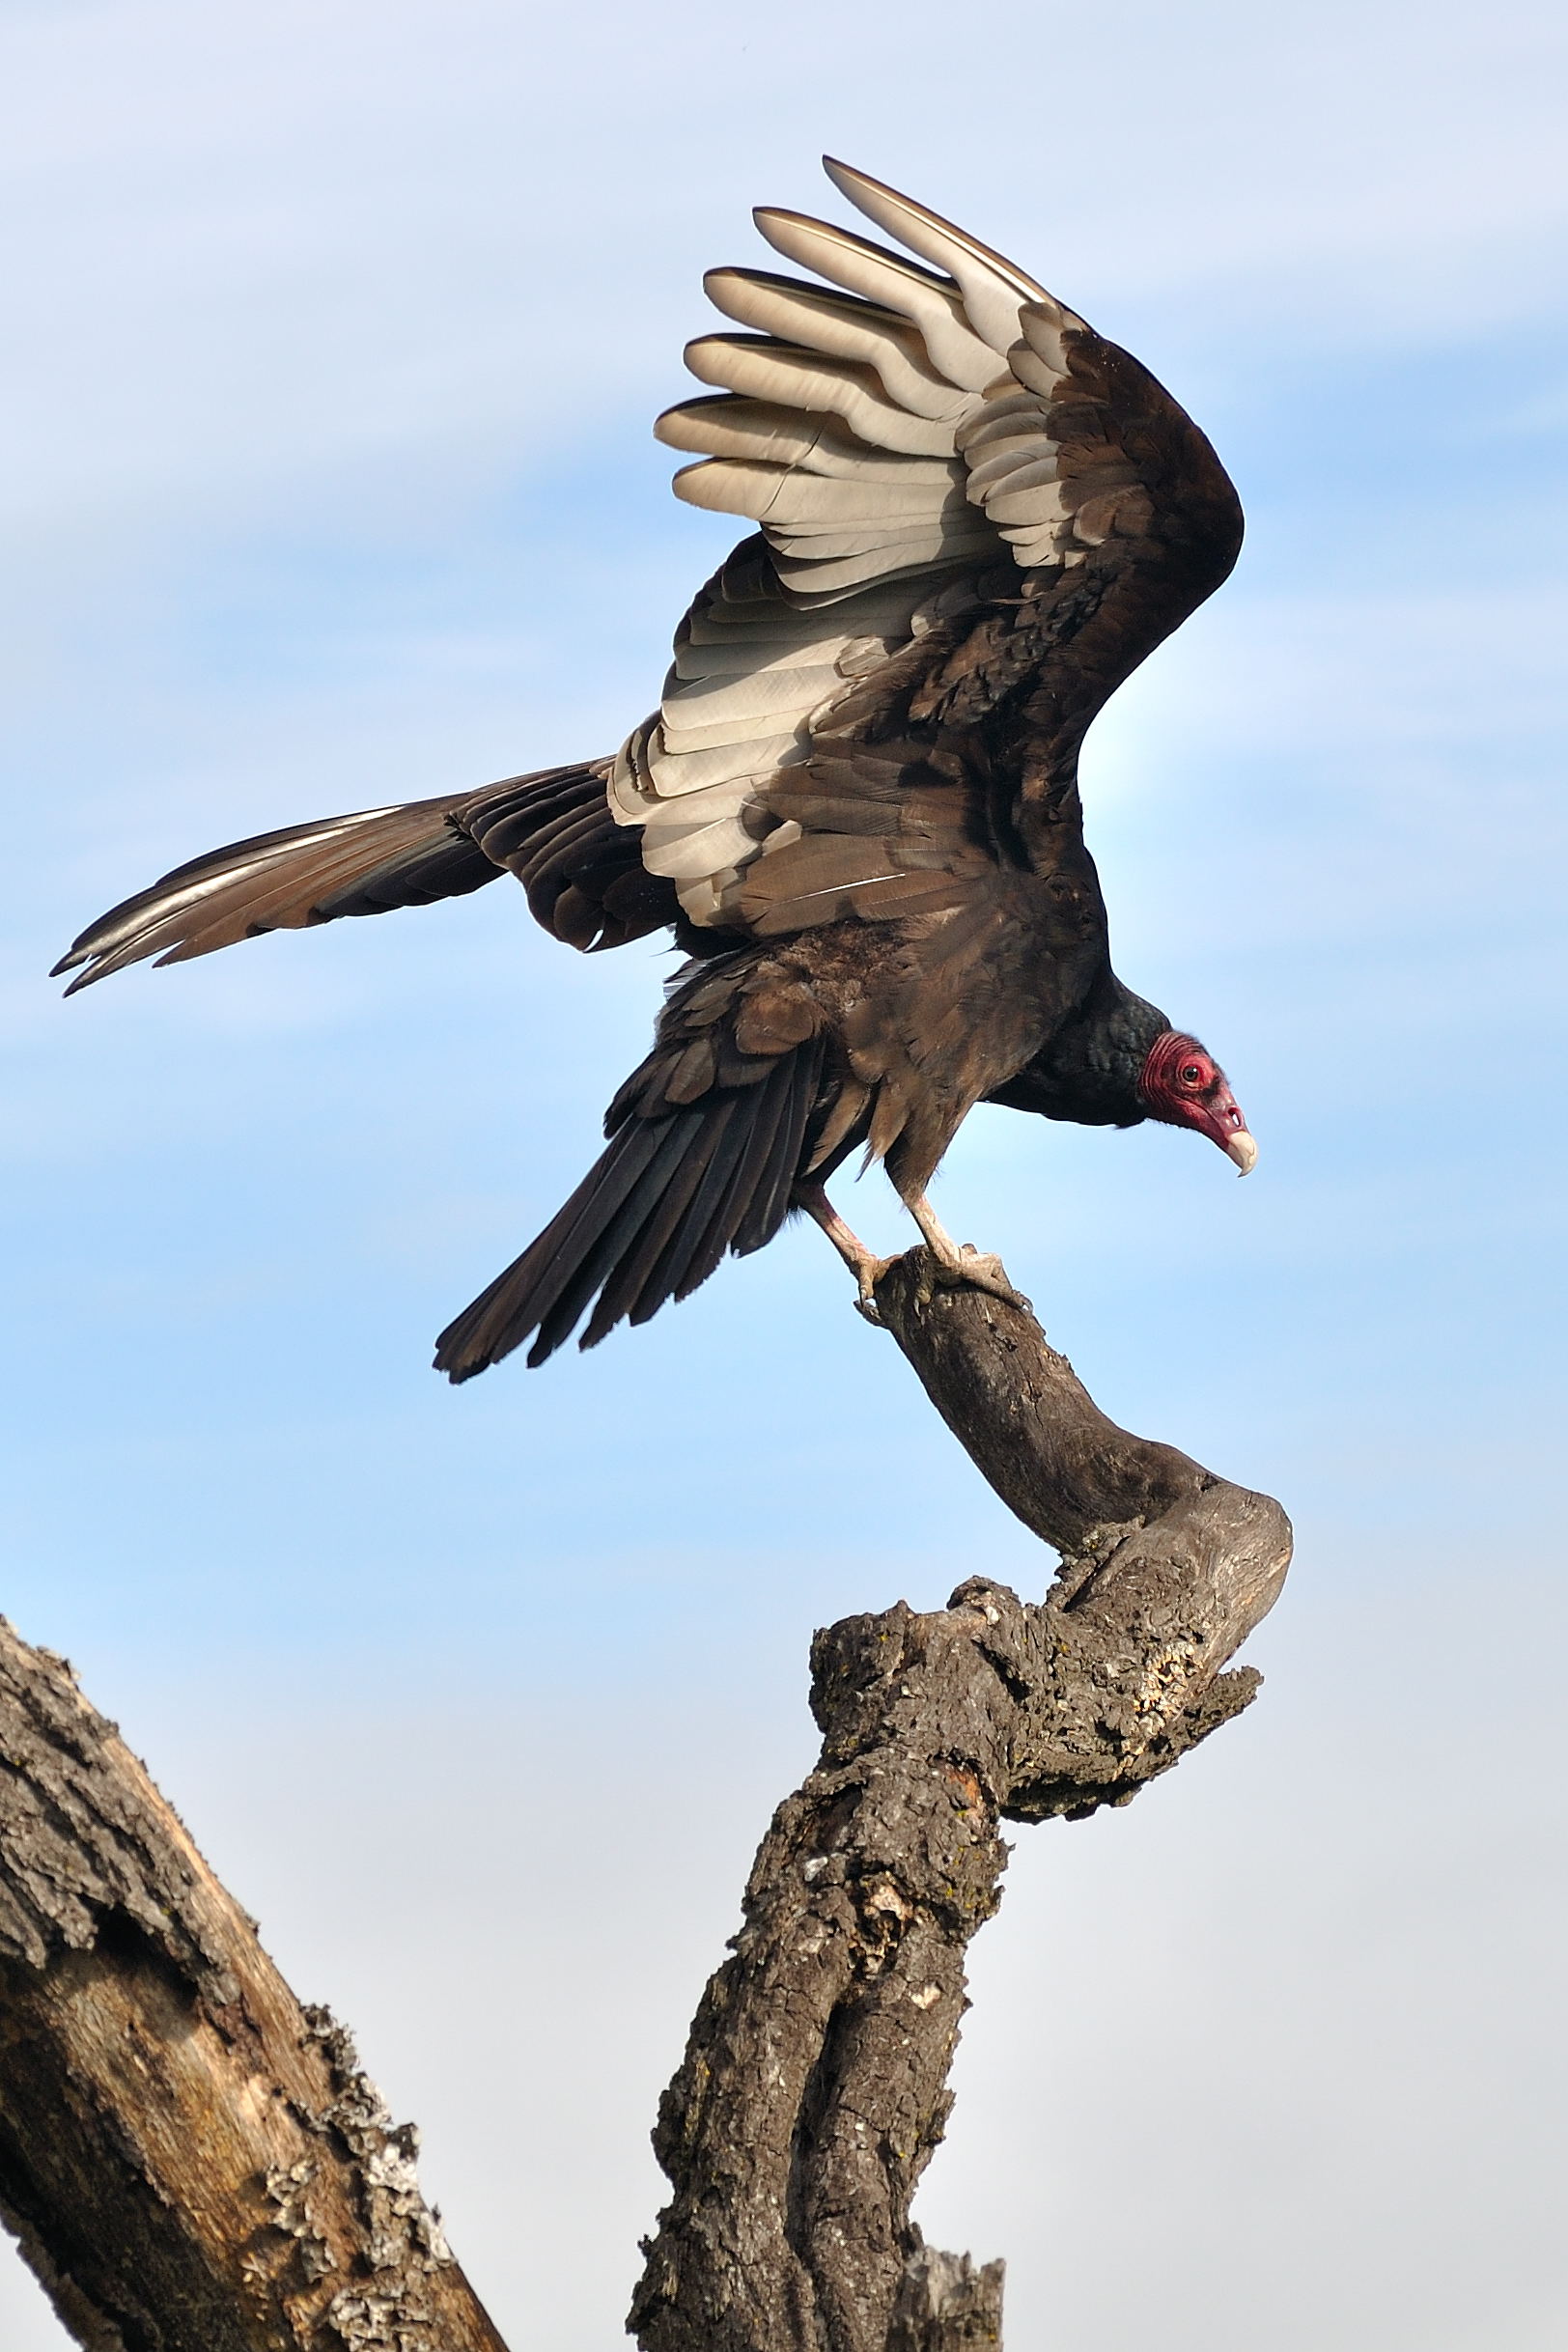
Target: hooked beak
[(1241, 1147)]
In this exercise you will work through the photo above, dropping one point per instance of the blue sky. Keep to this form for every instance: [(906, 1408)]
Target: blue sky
[(334, 337)]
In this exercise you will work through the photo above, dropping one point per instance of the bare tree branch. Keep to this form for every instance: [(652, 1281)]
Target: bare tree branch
[(192, 2162), (813, 2087)]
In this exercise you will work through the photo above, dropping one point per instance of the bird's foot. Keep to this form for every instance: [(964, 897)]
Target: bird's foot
[(970, 1270), (868, 1273), (864, 1263), (958, 1265), (949, 1265)]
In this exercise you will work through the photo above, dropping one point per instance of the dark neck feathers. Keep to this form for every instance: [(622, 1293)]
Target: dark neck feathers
[(1089, 1073)]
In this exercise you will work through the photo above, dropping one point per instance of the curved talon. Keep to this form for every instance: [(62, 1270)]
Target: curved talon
[(976, 1269), (868, 1273), (952, 1263)]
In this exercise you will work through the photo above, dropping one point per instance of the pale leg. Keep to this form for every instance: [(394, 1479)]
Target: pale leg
[(863, 1263), (961, 1262)]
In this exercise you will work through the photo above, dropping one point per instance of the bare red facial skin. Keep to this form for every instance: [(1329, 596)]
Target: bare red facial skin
[(1183, 1084)]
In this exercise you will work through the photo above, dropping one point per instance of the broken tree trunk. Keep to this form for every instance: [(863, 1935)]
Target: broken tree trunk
[(191, 2161), (194, 2163), (812, 2092)]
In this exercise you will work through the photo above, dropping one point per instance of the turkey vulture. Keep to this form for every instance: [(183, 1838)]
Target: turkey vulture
[(856, 806)]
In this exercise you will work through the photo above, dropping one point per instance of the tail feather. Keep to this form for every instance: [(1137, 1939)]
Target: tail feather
[(558, 1273), (621, 1242), (651, 1220), (755, 1200), (777, 1190), (710, 1225), (650, 1275)]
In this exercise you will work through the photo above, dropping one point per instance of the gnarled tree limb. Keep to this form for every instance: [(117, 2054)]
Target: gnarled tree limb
[(194, 2163), (813, 2087)]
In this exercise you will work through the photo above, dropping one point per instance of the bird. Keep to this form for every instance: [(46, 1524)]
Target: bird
[(856, 807)]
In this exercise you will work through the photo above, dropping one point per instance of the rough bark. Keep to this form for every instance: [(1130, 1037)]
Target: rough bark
[(191, 2161), (812, 2092), (194, 2163)]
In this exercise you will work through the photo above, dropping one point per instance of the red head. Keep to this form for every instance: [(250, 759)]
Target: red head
[(1184, 1086)]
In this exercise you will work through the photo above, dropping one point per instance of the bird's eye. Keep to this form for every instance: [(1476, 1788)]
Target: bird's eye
[(1191, 1075)]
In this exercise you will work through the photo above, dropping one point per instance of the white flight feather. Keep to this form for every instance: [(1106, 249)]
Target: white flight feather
[(879, 435), (154, 911)]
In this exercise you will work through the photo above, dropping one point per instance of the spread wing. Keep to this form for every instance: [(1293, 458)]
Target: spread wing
[(975, 514), (582, 873)]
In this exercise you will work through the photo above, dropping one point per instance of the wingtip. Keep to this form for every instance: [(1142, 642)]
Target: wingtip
[(841, 173), (855, 185), (915, 225)]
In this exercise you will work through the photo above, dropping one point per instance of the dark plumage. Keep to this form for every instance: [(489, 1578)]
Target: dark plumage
[(857, 805)]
